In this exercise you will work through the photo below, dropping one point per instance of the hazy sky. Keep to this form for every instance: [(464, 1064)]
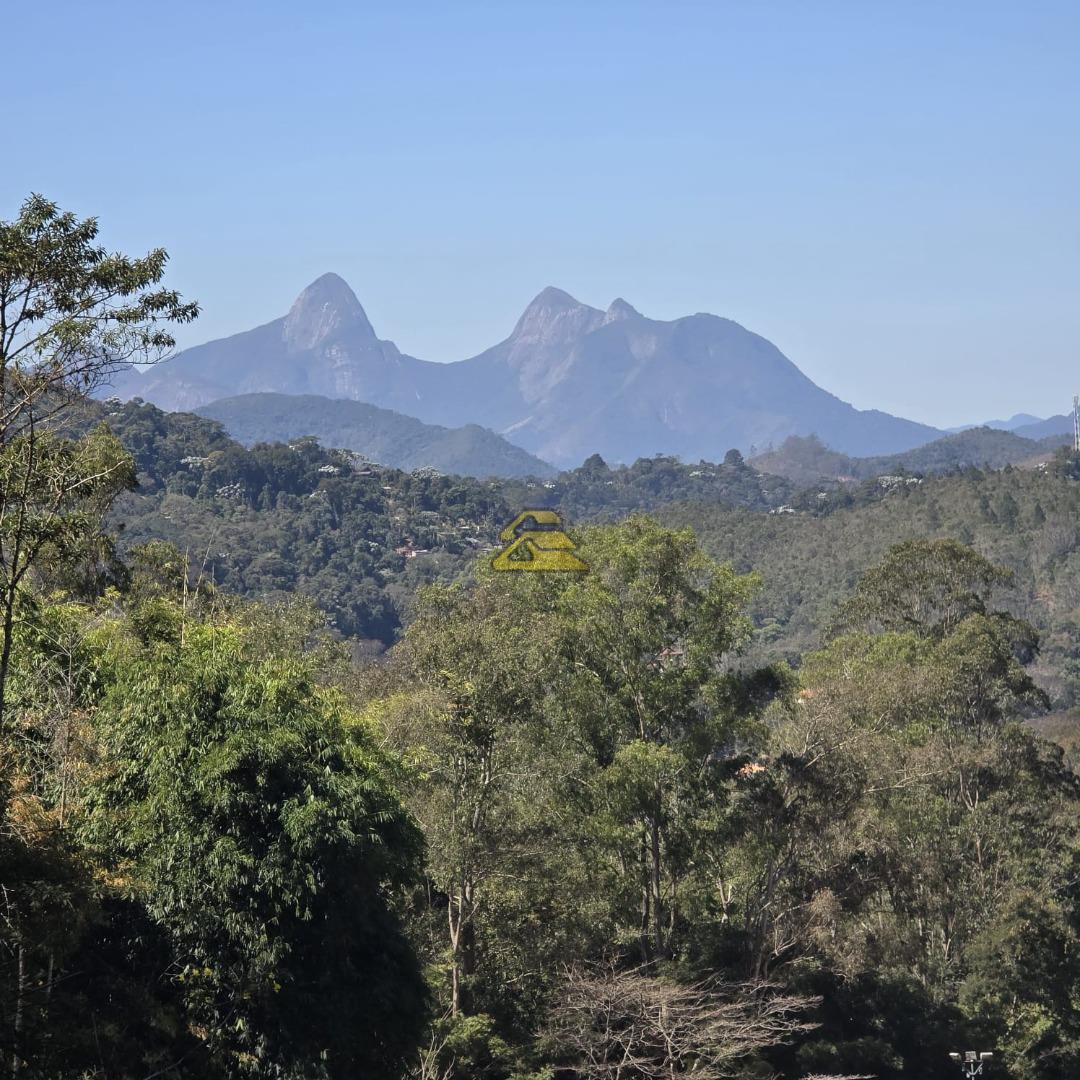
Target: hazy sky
[(888, 191)]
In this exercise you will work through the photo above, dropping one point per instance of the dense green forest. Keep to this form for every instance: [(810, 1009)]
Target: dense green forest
[(295, 785), (1025, 520), (358, 539)]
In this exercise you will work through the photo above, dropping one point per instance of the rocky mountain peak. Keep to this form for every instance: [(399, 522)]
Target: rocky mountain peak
[(553, 316), (324, 308), (620, 310)]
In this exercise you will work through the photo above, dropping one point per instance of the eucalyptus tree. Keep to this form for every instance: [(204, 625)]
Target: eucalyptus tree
[(465, 712), (569, 740), (925, 587), (647, 687)]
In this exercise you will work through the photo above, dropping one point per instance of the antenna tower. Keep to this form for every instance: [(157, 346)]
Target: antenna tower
[(1076, 423)]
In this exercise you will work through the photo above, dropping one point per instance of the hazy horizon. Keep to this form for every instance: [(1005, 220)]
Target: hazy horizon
[(888, 195)]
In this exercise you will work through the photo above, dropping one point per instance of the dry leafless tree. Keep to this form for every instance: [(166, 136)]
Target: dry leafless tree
[(637, 1025)]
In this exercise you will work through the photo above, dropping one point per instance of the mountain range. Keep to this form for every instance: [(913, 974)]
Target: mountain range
[(570, 380)]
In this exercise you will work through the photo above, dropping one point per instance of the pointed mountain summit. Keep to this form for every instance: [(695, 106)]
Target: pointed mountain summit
[(326, 307), (572, 380), (551, 301), (552, 316), (619, 310), (325, 345)]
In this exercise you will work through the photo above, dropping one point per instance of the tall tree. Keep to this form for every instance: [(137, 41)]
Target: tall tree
[(893, 837), (472, 666), (923, 586), (253, 819), (646, 642), (71, 315)]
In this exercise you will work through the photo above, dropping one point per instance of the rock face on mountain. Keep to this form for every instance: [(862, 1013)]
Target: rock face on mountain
[(569, 381)]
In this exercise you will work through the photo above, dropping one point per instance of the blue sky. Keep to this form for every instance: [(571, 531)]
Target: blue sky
[(888, 191)]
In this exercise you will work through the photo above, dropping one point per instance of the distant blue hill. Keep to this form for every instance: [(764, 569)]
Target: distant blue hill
[(1014, 422), (378, 434), (1042, 429)]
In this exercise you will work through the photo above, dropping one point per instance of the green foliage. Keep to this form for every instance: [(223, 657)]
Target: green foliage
[(597, 491), (1022, 989), (810, 562), (867, 843), (465, 711), (74, 312), (877, 1024), (557, 727), (214, 864), (924, 586), (250, 817), (646, 638), (202, 849), (279, 518), (900, 816), (269, 521), (55, 493)]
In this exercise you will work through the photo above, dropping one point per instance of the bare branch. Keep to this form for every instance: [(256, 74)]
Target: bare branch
[(636, 1025)]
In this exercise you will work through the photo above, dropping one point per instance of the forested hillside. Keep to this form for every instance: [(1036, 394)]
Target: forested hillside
[(567, 825), (359, 539), (1026, 520), (355, 537)]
